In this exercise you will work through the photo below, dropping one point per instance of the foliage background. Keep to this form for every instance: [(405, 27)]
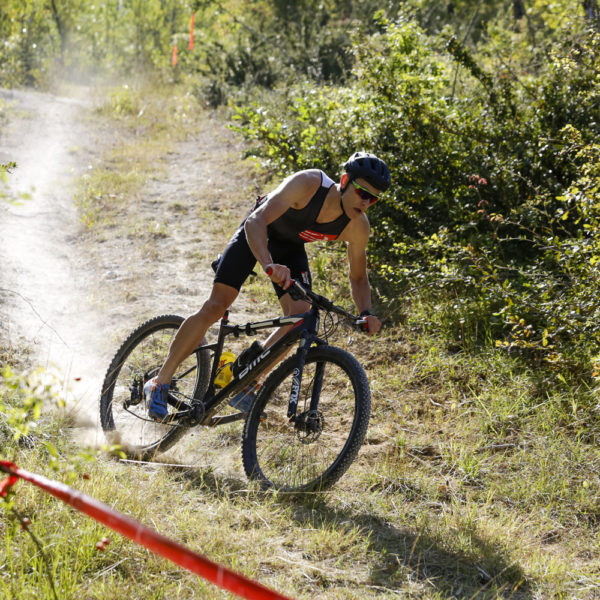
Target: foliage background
[(487, 113)]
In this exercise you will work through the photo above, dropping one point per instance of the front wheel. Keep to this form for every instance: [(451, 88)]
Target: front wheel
[(123, 410), (316, 449)]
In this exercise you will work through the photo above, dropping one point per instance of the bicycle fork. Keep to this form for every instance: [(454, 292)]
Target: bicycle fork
[(297, 380), (307, 421)]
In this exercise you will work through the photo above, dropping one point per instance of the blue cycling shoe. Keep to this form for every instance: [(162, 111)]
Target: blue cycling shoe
[(156, 400), (244, 400)]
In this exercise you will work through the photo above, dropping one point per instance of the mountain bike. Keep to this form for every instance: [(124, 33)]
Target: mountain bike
[(309, 418)]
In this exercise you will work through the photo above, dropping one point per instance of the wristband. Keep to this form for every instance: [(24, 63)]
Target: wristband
[(367, 313)]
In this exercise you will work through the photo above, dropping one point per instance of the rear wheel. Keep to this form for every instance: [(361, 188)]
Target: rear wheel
[(123, 410), (315, 450)]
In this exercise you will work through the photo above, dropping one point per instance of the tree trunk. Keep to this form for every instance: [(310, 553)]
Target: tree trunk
[(591, 9), (518, 9), (60, 28)]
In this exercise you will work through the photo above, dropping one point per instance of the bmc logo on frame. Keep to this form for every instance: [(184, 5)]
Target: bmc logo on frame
[(254, 363)]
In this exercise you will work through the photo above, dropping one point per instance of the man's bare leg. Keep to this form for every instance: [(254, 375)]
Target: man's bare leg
[(194, 328), (290, 307)]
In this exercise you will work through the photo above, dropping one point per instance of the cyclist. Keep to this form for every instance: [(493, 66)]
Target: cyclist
[(307, 206)]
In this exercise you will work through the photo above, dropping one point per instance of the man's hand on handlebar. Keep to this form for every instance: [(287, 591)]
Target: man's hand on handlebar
[(280, 274)]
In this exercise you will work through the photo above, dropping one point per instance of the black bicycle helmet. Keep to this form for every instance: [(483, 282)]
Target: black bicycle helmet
[(370, 168)]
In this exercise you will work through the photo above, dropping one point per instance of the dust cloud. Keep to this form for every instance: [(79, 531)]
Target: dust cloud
[(72, 301), (44, 287)]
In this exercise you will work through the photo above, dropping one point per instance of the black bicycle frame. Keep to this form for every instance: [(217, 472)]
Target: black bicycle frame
[(305, 326)]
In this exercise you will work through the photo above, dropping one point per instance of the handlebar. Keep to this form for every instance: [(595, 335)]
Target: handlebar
[(297, 292)]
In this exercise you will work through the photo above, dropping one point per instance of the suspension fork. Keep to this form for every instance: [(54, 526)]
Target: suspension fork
[(307, 340), (317, 385), (297, 378)]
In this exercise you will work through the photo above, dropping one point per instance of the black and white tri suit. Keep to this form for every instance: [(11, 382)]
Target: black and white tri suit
[(286, 238)]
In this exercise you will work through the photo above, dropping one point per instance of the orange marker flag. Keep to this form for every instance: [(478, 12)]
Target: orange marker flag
[(192, 31), (174, 57)]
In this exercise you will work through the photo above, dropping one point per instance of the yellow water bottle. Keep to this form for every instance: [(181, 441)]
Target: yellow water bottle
[(224, 374)]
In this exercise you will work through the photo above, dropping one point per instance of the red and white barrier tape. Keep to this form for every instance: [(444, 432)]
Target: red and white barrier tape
[(157, 543)]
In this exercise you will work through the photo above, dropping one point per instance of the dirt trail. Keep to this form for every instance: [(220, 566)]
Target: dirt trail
[(71, 298), (44, 281)]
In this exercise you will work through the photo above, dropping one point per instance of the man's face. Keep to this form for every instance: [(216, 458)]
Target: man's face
[(358, 196)]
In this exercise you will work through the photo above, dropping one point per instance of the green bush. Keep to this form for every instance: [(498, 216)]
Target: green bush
[(484, 222), (84, 38), (251, 47)]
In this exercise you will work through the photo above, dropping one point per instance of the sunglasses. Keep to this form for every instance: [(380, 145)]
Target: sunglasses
[(365, 194)]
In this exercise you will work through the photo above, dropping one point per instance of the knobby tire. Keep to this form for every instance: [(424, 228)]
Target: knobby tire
[(278, 454), (141, 355)]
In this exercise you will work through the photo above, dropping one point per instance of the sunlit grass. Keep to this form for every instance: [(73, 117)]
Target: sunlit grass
[(470, 484), (461, 490)]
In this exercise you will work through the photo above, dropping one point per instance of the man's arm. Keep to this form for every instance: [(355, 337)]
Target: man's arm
[(359, 280), (293, 192)]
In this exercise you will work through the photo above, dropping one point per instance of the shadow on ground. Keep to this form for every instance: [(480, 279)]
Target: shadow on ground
[(409, 556), (404, 556)]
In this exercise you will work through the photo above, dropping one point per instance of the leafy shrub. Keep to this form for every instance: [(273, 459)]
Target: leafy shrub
[(80, 38), (485, 220), (275, 42)]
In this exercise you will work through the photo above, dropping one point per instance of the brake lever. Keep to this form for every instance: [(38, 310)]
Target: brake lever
[(296, 291), (362, 324)]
